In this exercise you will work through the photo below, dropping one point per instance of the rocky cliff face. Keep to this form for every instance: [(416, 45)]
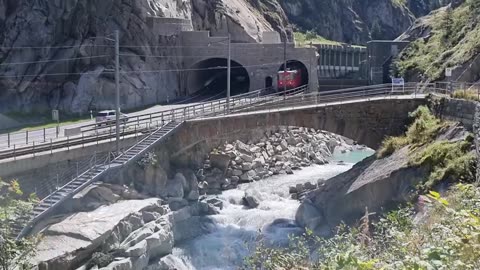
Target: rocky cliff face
[(357, 21), (41, 79)]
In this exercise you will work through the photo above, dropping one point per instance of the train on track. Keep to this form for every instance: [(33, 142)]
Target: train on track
[(294, 77)]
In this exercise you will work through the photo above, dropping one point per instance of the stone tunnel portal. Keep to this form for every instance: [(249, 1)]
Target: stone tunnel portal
[(209, 78)]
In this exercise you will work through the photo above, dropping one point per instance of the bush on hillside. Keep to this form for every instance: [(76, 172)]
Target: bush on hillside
[(424, 129), (445, 234)]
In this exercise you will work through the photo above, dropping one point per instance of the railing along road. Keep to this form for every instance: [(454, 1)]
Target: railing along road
[(257, 100)]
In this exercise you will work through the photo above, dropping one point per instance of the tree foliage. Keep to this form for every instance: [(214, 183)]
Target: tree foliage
[(14, 254)]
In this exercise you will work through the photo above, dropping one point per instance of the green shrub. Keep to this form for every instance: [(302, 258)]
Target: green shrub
[(447, 161), (446, 235), (100, 259), (423, 130)]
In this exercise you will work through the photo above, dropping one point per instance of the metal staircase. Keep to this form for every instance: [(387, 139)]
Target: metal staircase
[(94, 172)]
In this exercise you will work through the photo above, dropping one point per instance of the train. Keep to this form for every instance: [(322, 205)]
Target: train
[(292, 78)]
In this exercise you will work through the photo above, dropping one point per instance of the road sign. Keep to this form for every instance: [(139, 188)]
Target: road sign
[(448, 72), (55, 115), (398, 82)]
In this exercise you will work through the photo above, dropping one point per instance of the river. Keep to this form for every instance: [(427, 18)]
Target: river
[(236, 228)]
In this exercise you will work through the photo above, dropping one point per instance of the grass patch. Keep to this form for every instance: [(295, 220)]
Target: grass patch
[(447, 161), (42, 122), (469, 94), (304, 39), (423, 130)]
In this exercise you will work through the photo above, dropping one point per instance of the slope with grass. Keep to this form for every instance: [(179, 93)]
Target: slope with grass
[(449, 37)]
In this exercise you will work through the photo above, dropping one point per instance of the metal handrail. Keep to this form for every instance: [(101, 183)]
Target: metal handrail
[(94, 165)]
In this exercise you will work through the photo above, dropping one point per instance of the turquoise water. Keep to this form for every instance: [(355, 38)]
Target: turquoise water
[(354, 156)]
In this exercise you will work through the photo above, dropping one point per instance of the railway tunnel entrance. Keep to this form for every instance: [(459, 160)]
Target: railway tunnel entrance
[(296, 75), (209, 78)]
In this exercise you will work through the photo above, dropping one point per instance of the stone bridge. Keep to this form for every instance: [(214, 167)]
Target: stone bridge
[(367, 122)]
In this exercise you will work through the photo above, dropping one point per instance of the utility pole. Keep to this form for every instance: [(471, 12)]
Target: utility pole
[(285, 65), (117, 90), (311, 66), (229, 72)]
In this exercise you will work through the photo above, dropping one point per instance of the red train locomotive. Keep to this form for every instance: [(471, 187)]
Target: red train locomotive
[(292, 78)]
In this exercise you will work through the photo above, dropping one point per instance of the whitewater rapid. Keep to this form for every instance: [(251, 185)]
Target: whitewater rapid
[(235, 230)]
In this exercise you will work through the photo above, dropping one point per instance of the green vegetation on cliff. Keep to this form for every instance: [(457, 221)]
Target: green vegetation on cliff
[(423, 130), (304, 39), (453, 39), (447, 161)]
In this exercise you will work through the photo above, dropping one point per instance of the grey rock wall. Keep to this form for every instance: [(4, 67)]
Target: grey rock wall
[(77, 29)]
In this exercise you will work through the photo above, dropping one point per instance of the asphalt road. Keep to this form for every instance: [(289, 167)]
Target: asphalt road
[(40, 136)]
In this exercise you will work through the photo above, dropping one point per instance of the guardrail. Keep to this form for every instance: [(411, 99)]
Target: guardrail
[(257, 100)]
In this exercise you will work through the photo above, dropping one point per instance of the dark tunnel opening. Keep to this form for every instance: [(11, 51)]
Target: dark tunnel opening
[(209, 78)]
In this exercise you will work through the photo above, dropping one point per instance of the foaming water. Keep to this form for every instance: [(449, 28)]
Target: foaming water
[(237, 228)]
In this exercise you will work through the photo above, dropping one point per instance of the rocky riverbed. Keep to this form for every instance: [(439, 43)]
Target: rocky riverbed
[(283, 151), (115, 226)]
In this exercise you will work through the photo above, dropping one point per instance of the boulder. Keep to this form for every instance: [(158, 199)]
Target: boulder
[(246, 158), (119, 264), (90, 198), (169, 262), (255, 149), (252, 198), (220, 161), (137, 250), (372, 183), (179, 177), (174, 189), (193, 195), (78, 235), (237, 172), (229, 147), (160, 243), (284, 145), (248, 176), (270, 150), (177, 203), (259, 162), (140, 262), (234, 179), (265, 155), (243, 148), (247, 166)]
